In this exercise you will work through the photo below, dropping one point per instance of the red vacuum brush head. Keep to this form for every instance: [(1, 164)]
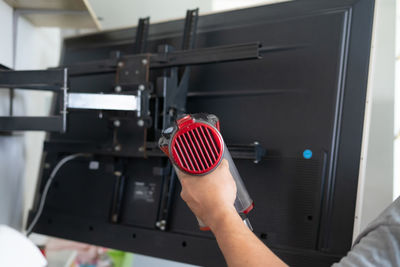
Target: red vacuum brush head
[(197, 147)]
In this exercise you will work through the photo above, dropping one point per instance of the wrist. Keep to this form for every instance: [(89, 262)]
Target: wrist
[(223, 219)]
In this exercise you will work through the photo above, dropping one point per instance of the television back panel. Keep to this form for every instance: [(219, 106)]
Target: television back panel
[(305, 106)]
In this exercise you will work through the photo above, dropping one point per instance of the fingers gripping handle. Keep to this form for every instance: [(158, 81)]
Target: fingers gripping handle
[(202, 225)]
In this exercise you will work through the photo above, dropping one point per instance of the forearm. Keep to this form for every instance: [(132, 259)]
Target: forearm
[(239, 245)]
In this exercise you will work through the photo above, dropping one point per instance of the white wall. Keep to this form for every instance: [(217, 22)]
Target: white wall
[(11, 147), (396, 183), (221, 5), (376, 180), (6, 33), (124, 13), (36, 48)]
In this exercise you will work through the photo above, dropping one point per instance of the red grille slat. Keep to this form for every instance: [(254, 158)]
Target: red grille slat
[(200, 148), (190, 150), (181, 157), (195, 149), (186, 153), (208, 144), (212, 141), (205, 148)]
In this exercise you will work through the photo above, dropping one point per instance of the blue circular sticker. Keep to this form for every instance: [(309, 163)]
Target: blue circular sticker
[(307, 154)]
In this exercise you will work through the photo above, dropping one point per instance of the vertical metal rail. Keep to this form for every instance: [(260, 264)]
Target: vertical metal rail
[(142, 33), (174, 91)]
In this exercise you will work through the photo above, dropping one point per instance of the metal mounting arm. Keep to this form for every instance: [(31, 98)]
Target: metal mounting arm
[(49, 80), (57, 81)]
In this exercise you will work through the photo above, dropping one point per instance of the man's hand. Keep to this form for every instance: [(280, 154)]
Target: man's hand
[(211, 197)]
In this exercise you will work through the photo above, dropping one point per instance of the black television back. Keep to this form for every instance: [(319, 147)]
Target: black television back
[(305, 106)]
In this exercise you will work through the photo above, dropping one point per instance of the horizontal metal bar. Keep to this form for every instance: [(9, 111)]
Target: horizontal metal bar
[(206, 55), (92, 67), (48, 124), (152, 149), (175, 58), (279, 48), (52, 80), (102, 101)]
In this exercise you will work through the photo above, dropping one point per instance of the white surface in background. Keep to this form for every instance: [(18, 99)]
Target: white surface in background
[(11, 147), (37, 48), (6, 33), (376, 186), (396, 181), (221, 5), (124, 13), (17, 250)]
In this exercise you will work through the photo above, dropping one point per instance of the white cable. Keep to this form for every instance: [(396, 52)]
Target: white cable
[(47, 187)]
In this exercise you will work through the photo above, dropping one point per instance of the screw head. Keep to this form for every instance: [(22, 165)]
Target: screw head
[(100, 115), (117, 123), (140, 123), (144, 61), (117, 148), (141, 87), (168, 131), (118, 173), (120, 64), (117, 89)]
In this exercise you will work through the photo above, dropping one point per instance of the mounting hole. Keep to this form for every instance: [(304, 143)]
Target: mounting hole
[(133, 235), (91, 228), (309, 217), (184, 244), (263, 236), (49, 221)]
